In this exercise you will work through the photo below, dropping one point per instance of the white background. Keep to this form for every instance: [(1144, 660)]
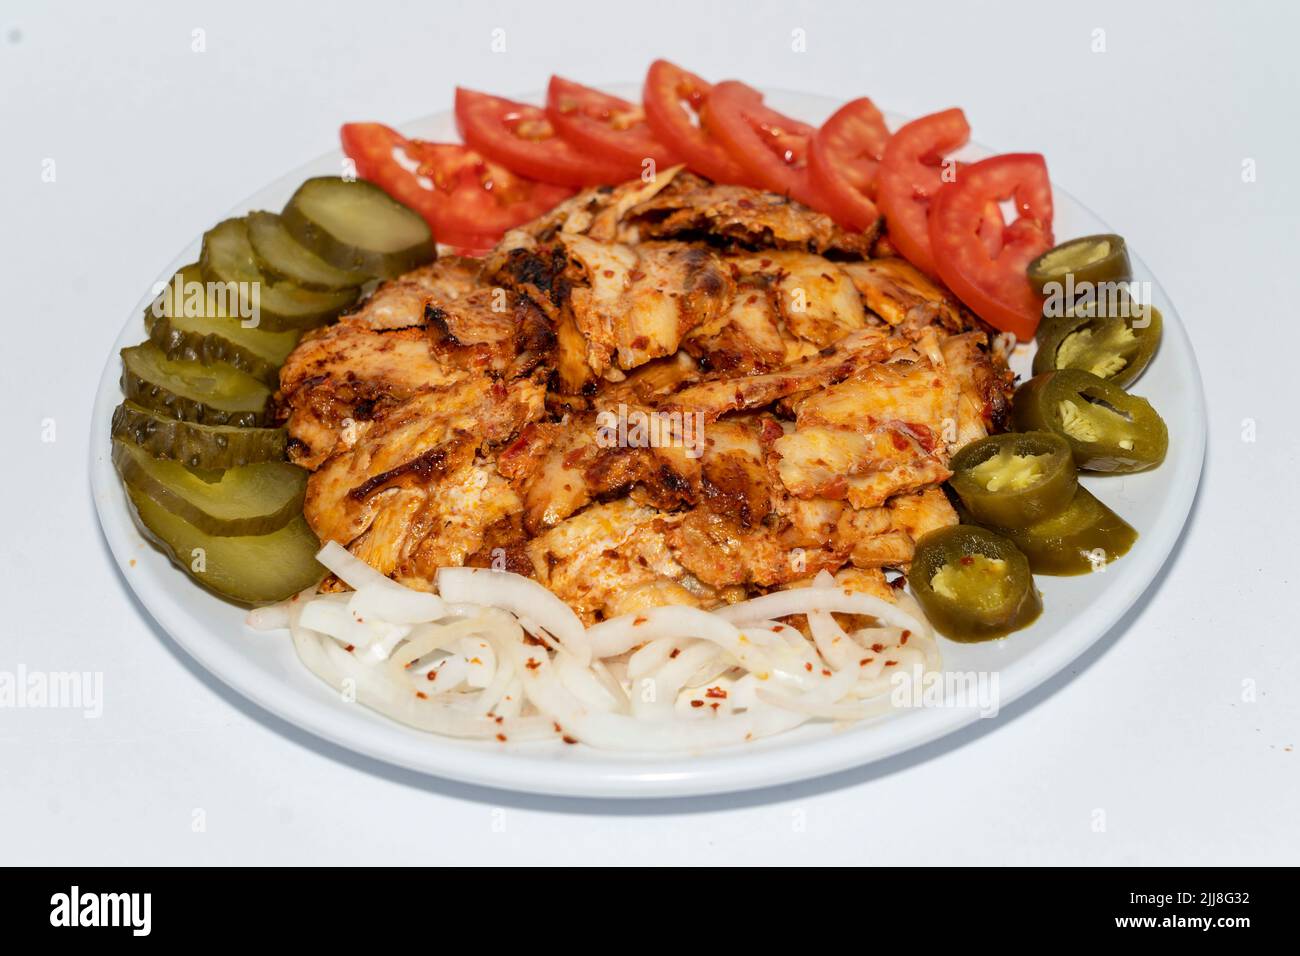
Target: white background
[(1154, 731)]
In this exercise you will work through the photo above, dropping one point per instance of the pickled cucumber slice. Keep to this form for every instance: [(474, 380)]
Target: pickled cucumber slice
[(280, 254), (247, 569), (186, 322), (248, 499), (208, 394), (355, 225), (199, 446), (228, 258)]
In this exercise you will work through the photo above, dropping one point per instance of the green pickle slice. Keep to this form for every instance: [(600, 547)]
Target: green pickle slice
[(1090, 259), (228, 258), (199, 446), (188, 321), (1113, 341), (973, 585), (1083, 538), (244, 500), (280, 254), (1014, 479), (356, 226), (216, 394), (1108, 429), (247, 569)]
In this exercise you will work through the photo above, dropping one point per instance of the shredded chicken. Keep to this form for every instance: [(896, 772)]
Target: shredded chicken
[(665, 392)]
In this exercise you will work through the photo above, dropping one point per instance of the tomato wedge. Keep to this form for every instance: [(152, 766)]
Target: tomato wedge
[(673, 99), (467, 200), (606, 126), (522, 139), (910, 174), (994, 283), (772, 148), (843, 158)]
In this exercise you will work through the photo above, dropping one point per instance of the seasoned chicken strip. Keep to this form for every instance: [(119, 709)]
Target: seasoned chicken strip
[(817, 301), (904, 296), (691, 205), (636, 302), (833, 364), (593, 557)]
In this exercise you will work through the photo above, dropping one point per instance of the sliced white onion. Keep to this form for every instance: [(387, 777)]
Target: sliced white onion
[(522, 596)]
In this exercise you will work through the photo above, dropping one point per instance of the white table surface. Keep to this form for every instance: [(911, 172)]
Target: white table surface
[(1178, 729)]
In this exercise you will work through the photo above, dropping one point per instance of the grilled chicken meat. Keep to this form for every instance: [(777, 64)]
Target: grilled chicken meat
[(665, 392)]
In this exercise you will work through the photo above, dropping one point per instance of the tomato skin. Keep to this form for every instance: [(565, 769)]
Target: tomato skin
[(843, 159), (994, 284), (771, 147), (667, 88), (910, 175), (521, 138), (472, 200), (606, 126)]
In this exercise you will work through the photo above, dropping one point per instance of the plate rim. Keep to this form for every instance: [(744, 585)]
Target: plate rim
[(668, 776)]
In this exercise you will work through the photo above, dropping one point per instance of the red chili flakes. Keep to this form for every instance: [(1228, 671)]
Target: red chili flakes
[(635, 275), (501, 720), (569, 740), (715, 705), (350, 648), (865, 661), (808, 666), (825, 672), (532, 641), (697, 703), (676, 651), (533, 663), (906, 635), (422, 695), (890, 663), (639, 620), (608, 273), (717, 692), (877, 647), (432, 675), (556, 725), (501, 737), (967, 559), (779, 627)]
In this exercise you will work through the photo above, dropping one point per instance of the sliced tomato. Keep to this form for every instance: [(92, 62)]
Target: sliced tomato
[(673, 99), (522, 139), (979, 258), (843, 158), (772, 148), (606, 126), (458, 192), (910, 174)]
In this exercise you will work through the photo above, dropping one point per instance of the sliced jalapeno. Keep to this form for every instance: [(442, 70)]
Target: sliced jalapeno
[(973, 585), (1085, 537), (1112, 340), (1091, 259), (1107, 428), (1016, 479)]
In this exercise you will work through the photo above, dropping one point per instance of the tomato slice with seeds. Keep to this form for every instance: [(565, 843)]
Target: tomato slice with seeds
[(984, 263), (843, 159), (466, 199), (521, 138), (910, 174), (673, 99), (771, 147), (607, 126)]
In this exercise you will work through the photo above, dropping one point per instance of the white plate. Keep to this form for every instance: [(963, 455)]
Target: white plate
[(1077, 612)]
